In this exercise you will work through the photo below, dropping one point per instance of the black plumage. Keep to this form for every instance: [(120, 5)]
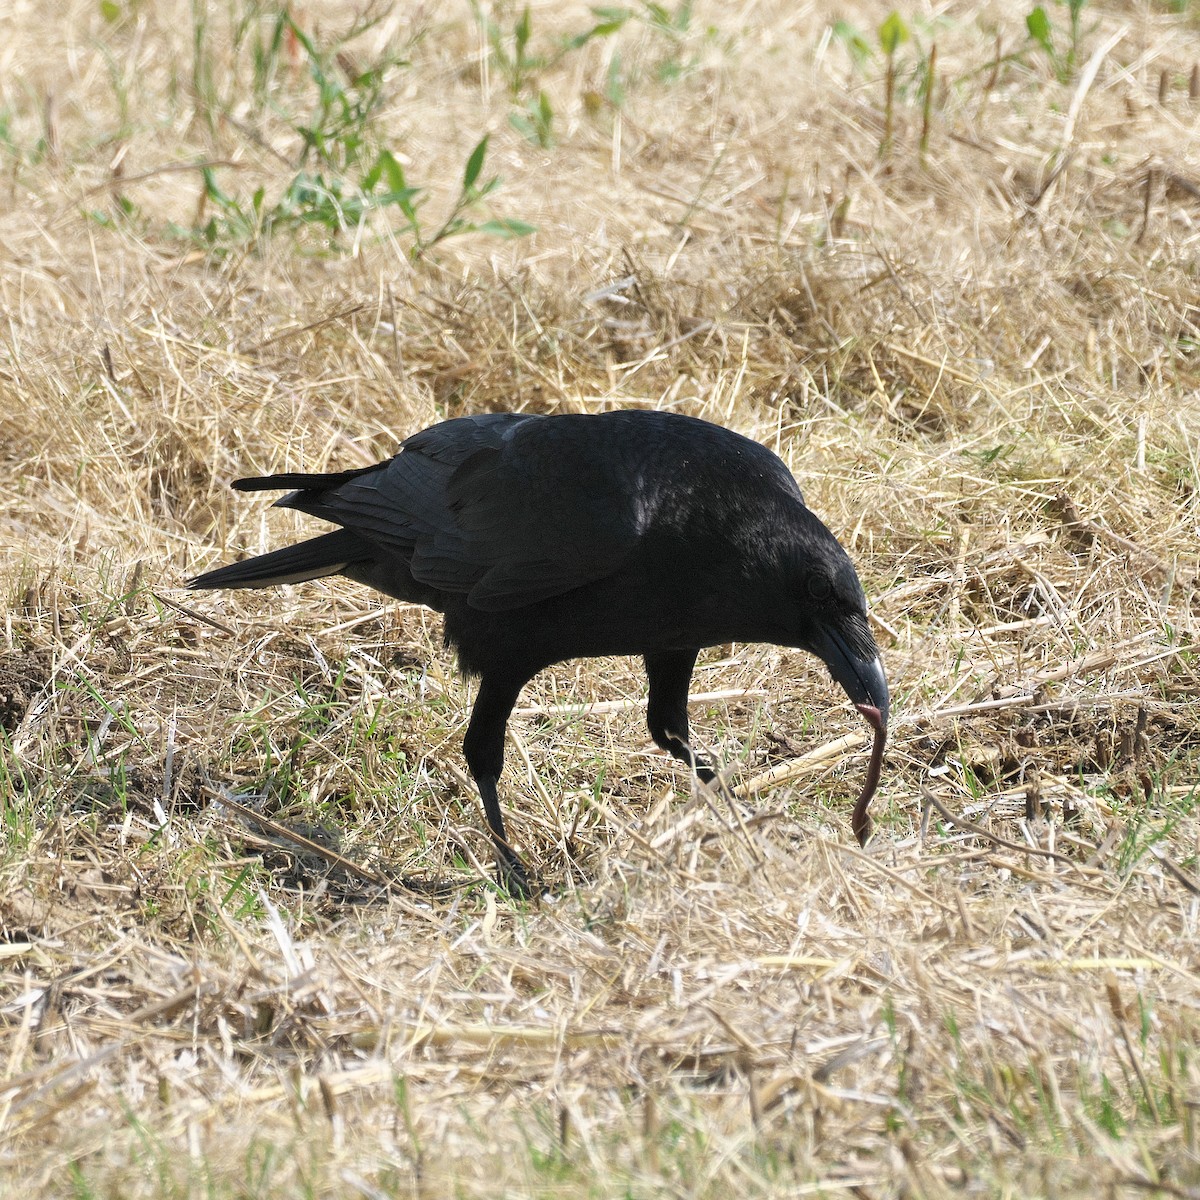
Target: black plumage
[(548, 538)]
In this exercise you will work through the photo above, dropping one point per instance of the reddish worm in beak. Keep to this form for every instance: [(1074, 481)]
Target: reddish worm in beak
[(860, 821)]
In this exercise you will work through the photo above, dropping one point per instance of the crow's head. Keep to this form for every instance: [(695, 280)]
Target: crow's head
[(833, 626)]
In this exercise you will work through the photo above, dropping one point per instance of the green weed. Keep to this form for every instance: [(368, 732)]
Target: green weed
[(1063, 55)]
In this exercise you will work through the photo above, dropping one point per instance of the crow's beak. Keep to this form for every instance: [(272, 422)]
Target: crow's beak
[(863, 679), (866, 685)]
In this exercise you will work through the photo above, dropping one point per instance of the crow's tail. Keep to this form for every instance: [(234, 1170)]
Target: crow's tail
[(298, 481), (325, 555)]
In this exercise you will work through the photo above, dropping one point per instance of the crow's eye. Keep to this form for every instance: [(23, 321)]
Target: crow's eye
[(818, 588)]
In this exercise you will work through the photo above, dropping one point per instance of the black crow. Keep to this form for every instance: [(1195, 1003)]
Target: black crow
[(572, 536)]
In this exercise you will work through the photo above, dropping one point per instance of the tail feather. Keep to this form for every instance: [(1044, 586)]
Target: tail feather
[(320, 556), (298, 480)]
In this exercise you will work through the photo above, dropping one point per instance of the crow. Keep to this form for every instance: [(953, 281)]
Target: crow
[(546, 538)]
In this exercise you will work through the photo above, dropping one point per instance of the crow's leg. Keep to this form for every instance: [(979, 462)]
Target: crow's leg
[(670, 673), (483, 747)]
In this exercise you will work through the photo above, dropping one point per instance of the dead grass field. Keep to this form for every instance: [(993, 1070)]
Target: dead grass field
[(982, 362)]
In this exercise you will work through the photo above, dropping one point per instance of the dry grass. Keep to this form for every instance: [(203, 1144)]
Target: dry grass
[(983, 368)]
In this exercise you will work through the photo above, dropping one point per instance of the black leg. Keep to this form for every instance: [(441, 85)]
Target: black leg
[(670, 673), (483, 748)]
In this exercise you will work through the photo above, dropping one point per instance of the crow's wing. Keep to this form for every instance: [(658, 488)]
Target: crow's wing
[(508, 509)]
